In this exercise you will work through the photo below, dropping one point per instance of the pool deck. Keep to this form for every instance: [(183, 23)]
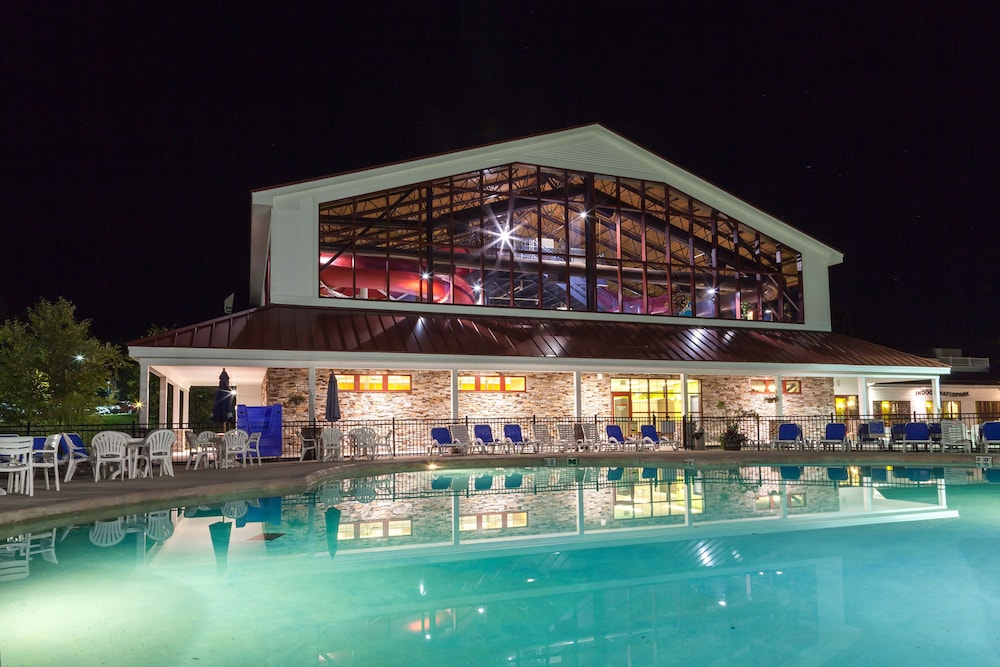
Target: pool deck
[(83, 499)]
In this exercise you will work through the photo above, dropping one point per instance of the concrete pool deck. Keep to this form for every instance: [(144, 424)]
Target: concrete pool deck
[(82, 499)]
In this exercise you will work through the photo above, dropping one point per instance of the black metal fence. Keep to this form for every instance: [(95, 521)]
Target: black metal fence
[(412, 436)]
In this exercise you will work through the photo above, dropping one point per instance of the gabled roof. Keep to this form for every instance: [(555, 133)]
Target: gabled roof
[(423, 341)]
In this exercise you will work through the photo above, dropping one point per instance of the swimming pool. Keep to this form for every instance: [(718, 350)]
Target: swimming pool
[(570, 566)]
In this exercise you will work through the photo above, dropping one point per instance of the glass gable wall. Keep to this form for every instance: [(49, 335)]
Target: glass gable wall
[(526, 236)]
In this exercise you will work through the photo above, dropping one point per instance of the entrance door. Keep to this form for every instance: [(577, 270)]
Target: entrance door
[(621, 410)]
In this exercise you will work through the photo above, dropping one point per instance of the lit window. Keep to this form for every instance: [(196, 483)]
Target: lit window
[(399, 528), (372, 529), (371, 382), (513, 383), (374, 382)]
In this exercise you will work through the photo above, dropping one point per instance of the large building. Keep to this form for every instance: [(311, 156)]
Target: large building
[(573, 273)]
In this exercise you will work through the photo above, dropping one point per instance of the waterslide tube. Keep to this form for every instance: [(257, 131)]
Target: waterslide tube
[(404, 278)]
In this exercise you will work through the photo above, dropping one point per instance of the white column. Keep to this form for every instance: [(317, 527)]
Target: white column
[(454, 393), (162, 416), (577, 395), (186, 409), (936, 391), (312, 393), (684, 397), (175, 417), (779, 396), (144, 393), (864, 405)]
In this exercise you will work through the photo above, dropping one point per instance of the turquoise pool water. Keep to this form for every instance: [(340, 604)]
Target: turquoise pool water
[(560, 566)]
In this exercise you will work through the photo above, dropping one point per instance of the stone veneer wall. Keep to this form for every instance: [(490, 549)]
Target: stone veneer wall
[(734, 390), (429, 397), (547, 394), (595, 394)]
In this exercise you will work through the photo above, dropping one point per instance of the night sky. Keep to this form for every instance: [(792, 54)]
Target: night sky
[(132, 136)]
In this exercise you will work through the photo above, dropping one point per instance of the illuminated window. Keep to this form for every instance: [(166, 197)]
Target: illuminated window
[(374, 382), (398, 382), (511, 383), (656, 497), (653, 400), (371, 382), (373, 529), (492, 521), (398, 528), (766, 386), (496, 233)]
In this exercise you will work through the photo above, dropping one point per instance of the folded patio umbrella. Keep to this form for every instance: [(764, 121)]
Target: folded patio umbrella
[(332, 400), (223, 409), (220, 532)]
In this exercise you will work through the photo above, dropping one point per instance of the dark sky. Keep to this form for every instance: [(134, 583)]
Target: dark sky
[(132, 136)]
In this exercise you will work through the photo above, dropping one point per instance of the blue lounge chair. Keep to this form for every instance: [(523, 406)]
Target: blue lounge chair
[(650, 473), (838, 474), (484, 482), (791, 473), (651, 439), (616, 439), (919, 474), (482, 438), (513, 480), (440, 440), (916, 435), (897, 434), (789, 437), (871, 434), (991, 436), (440, 483), (835, 437), (515, 439), (615, 474)]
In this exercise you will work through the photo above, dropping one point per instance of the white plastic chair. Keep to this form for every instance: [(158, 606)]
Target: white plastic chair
[(76, 453), (47, 458), (542, 437), (107, 533), (43, 544), (106, 449), (253, 447), (236, 447), (308, 437), (159, 525), (197, 450), (363, 440), (330, 444), (16, 461), (566, 437), (14, 559), (158, 448)]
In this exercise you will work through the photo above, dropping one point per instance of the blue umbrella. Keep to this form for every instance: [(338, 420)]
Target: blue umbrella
[(224, 408), (332, 400)]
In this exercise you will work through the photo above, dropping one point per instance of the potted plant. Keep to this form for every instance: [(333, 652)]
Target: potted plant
[(732, 437)]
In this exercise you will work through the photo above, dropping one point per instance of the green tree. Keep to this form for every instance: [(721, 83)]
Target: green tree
[(52, 371)]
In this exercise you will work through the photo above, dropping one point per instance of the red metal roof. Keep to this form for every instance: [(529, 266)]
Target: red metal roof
[(337, 330)]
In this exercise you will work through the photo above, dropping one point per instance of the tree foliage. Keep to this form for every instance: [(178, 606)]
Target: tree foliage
[(52, 371)]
